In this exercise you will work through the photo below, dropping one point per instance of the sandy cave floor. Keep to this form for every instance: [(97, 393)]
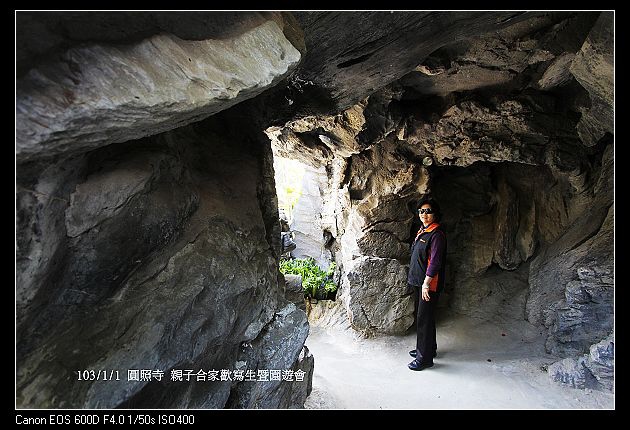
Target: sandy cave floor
[(357, 373)]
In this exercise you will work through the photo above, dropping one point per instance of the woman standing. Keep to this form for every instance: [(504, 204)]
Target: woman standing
[(426, 279)]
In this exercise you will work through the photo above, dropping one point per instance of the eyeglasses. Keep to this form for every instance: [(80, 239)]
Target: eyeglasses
[(427, 211)]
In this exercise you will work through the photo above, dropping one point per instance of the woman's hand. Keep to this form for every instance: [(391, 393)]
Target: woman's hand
[(425, 288), (425, 293)]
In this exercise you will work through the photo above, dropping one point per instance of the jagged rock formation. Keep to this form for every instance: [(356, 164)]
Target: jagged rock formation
[(278, 353), (307, 220), (293, 291), (96, 95), (592, 370), (593, 67), (171, 277), (156, 254), (526, 190), (147, 220)]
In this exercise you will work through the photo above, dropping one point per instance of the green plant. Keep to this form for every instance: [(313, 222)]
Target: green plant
[(313, 277)]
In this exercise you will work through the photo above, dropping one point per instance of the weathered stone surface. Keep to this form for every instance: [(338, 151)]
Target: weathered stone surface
[(162, 330), (293, 291), (102, 195), (41, 239), (96, 262), (592, 370), (373, 293), (488, 220), (594, 67), (505, 251), (382, 189), (307, 222), (383, 244), (557, 73), (319, 141), (314, 140), (177, 277), (300, 390), (572, 372), (265, 188), (542, 45), (589, 240), (481, 240), (515, 221), (381, 180), (351, 55), (572, 279), (382, 115), (276, 349), (327, 313), (41, 35), (601, 362), (497, 295), (586, 314), (468, 132), (288, 244), (463, 77), (96, 95)]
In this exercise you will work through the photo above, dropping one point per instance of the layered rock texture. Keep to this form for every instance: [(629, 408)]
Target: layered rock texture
[(308, 233), (95, 95), (521, 149), (147, 219), (159, 253)]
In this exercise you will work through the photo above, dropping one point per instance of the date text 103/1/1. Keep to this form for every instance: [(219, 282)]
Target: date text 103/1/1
[(100, 375)]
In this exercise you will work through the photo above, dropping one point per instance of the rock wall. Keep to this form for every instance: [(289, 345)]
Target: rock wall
[(156, 256), (367, 211), (594, 68), (525, 188), (147, 221), (307, 218), (162, 263), (95, 95)]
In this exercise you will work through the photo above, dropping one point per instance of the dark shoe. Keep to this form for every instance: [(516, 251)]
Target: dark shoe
[(414, 353), (416, 365)]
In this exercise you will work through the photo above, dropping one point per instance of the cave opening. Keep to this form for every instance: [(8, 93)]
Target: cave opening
[(307, 245)]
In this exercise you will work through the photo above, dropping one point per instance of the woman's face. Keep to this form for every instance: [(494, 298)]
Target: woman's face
[(426, 214)]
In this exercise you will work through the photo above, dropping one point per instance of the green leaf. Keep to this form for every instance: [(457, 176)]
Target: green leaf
[(312, 275)]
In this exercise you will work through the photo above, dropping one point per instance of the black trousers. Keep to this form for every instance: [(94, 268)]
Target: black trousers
[(426, 343)]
